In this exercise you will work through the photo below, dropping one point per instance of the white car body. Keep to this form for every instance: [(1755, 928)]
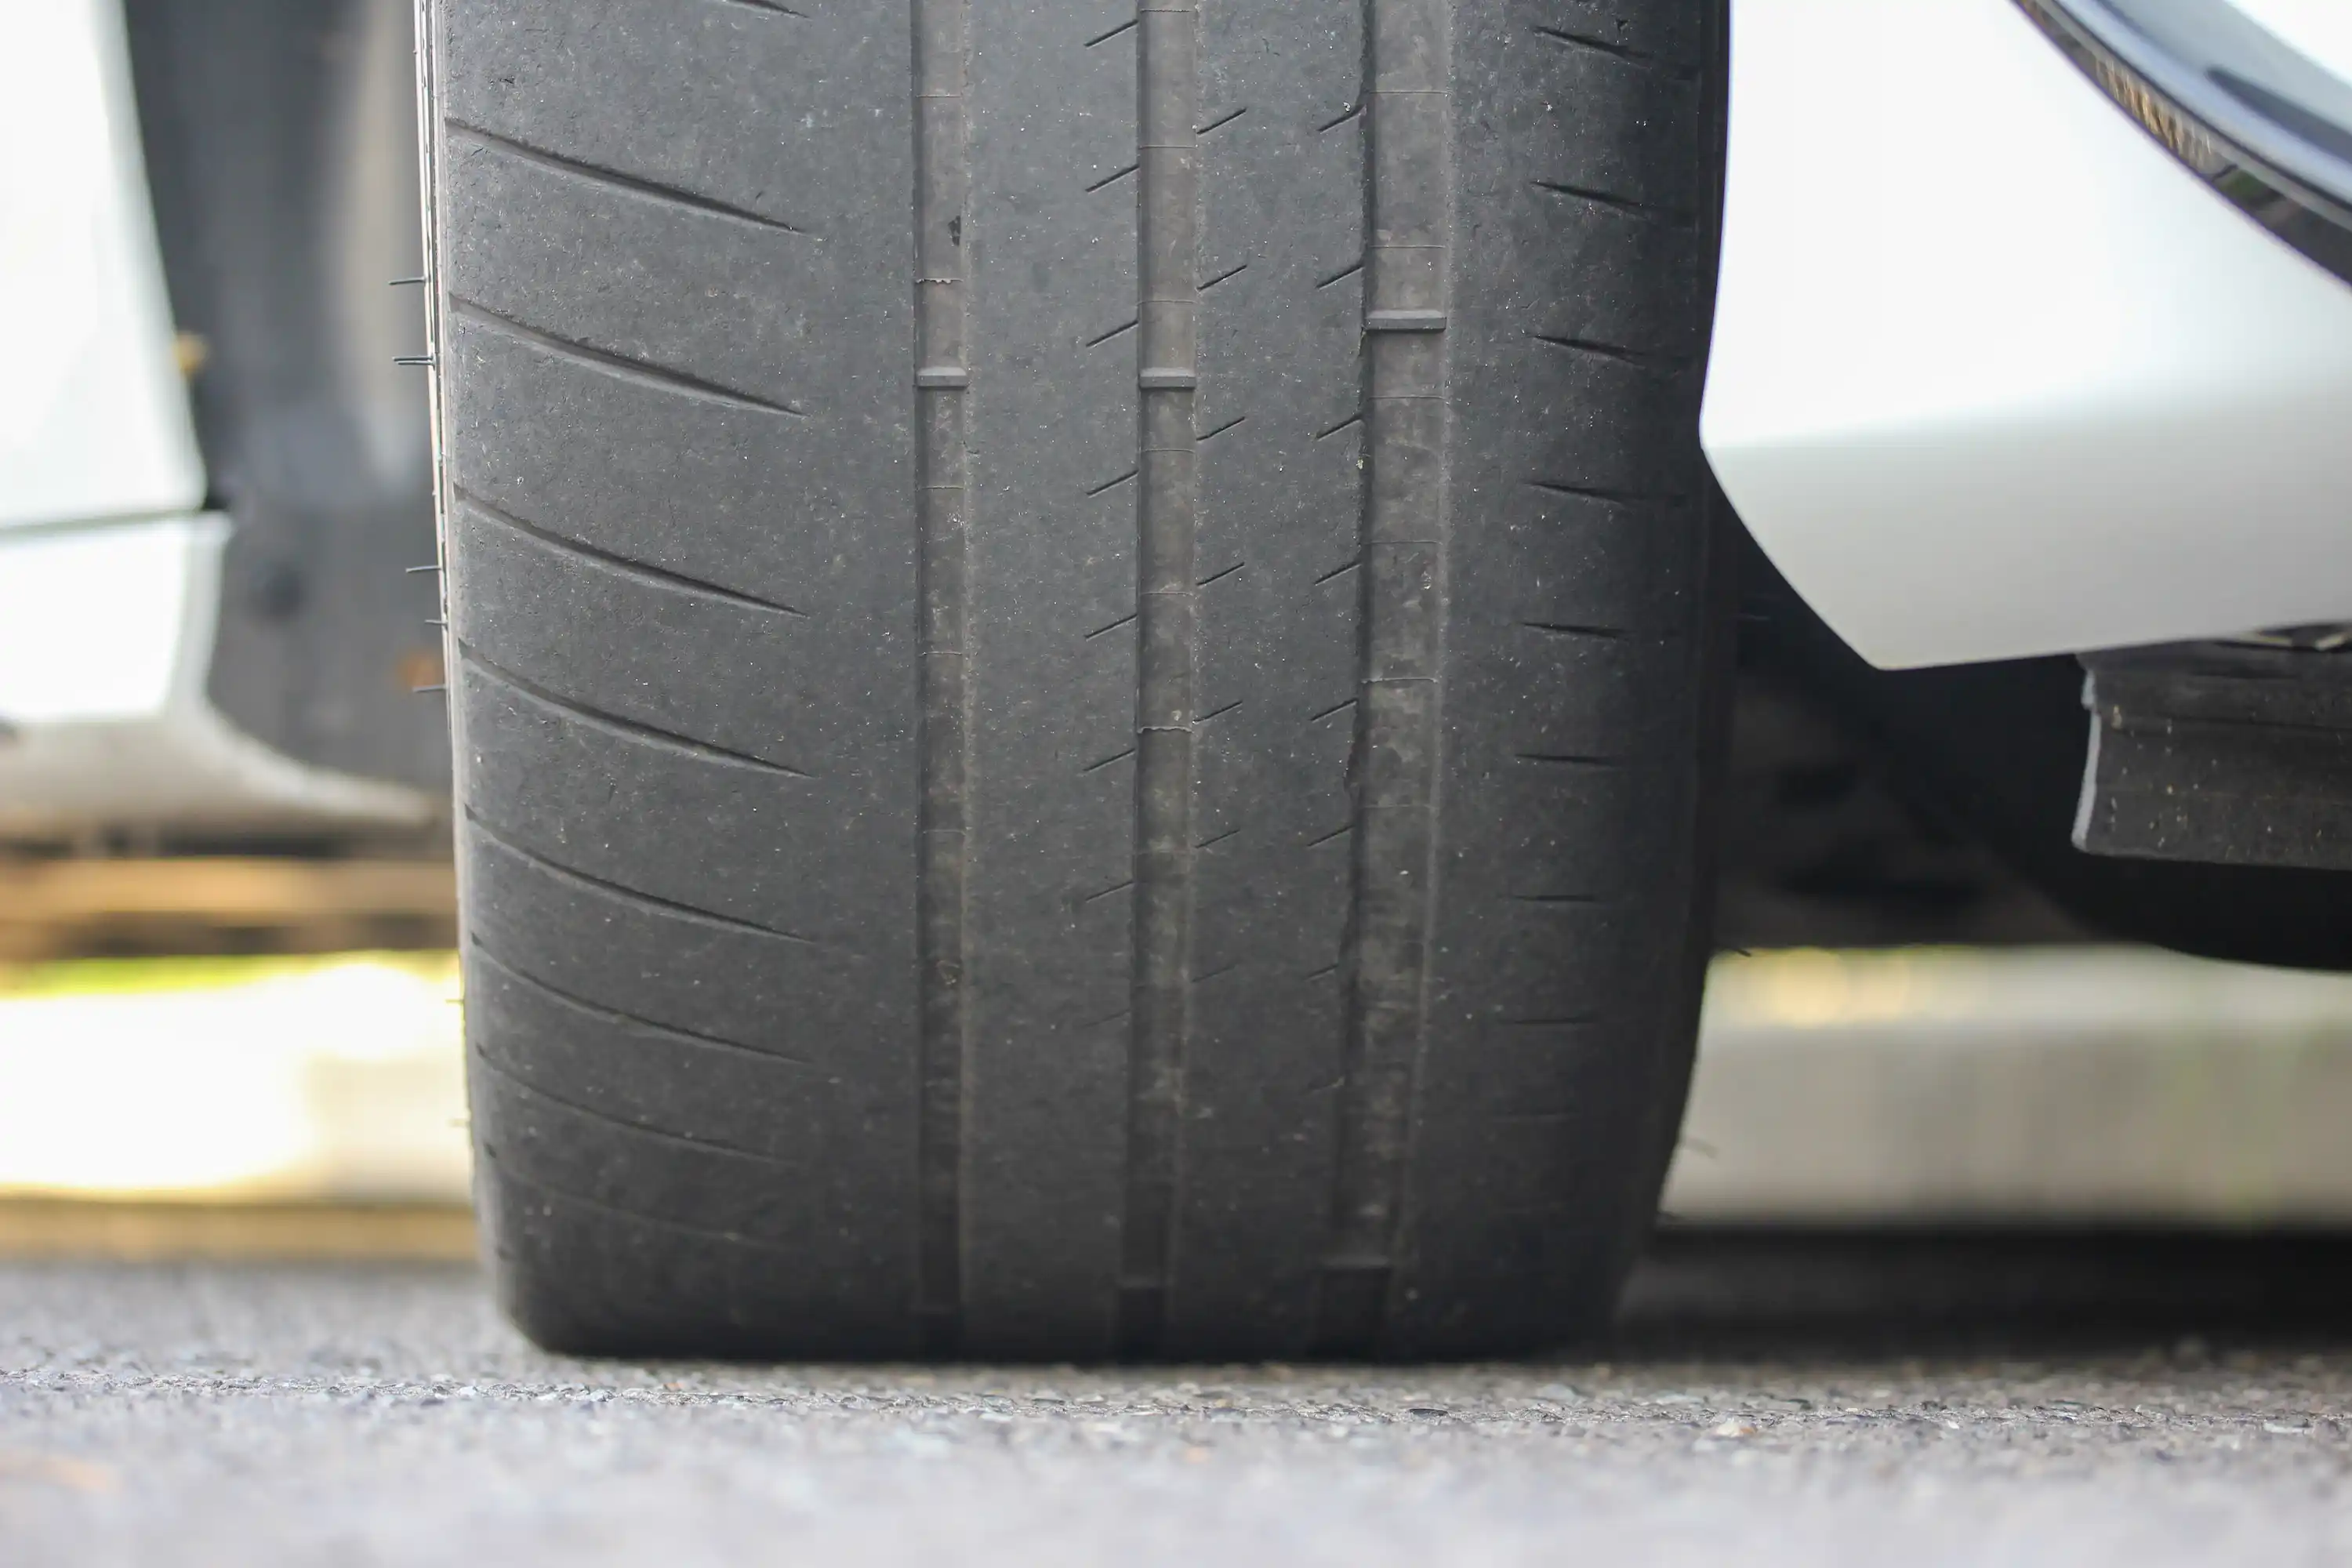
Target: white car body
[(110, 568), (1993, 374)]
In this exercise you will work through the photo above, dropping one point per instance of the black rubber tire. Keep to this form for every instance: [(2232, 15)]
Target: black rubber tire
[(1064, 750)]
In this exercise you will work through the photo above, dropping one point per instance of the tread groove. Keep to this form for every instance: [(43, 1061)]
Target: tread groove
[(660, 575), (1667, 218), (1645, 359), (491, 1064), (1672, 69), (1385, 954), (653, 190), (1569, 760), (630, 1020), (1167, 522), (621, 367), (637, 1216), (1331, 712), (1570, 630), (615, 892), (1610, 494), (942, 183), (634, 729)]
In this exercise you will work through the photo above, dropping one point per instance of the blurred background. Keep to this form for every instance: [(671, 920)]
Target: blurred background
[(230, 1009)]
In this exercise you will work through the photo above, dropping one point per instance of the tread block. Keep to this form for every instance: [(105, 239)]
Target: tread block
[(653, 1176), (562, 250), (680, 481), (697, 664), (737, 840), (635, 1073), (625, 954), (596, 1280), (718, 101)]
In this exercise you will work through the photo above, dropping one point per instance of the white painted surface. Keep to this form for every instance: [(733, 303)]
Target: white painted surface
[(1994, 376), (2048, 1084), (2320, 30), (94, 418), (106, 641), (269, 1079), (91, 620), (109, 586)]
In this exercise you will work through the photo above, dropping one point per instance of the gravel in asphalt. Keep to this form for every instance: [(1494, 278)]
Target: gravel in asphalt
[(1763, 1406)]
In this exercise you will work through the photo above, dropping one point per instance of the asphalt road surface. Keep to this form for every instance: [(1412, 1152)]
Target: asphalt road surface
[(1770, 1401)]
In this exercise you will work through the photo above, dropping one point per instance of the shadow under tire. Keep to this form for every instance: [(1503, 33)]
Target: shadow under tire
[(1087, 651)]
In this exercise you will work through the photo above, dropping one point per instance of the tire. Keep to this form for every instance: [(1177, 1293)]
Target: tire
[(1067, 751)]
